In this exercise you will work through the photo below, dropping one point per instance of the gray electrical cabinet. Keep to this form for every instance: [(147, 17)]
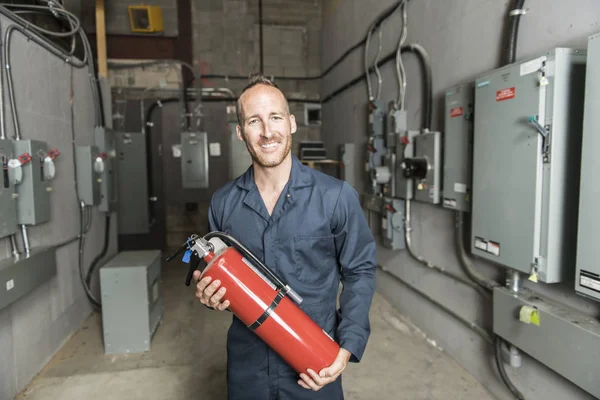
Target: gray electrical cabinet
[(458, 147), (194, 160), (348, 164), (132, 301), (587, 280), (376, 144), (393, 224), (33, 192), (8, 205), (89, 171), (104, 139), (424, 167), (134, 215), (526, 157)]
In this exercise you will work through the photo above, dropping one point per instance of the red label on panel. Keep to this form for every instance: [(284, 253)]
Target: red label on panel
[(456, 112), (505, 94)]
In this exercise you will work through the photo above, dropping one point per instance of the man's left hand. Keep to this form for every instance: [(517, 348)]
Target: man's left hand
[(327, 375)]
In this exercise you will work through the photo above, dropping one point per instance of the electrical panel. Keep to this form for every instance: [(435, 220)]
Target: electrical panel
[(133, 206), (393, 224), (348, 164), (35, 165), (132, 301), (194, 160), (90, 166), (526, 158), (424, 167), (403, 185), (8, 206), (587, 281), (458, 147), (104, 139), (376, 146)]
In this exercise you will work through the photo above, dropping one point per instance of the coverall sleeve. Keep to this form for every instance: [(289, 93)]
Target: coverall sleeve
[(356, 250)]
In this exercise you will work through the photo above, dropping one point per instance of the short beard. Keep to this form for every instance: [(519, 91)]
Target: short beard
[(269, 163)]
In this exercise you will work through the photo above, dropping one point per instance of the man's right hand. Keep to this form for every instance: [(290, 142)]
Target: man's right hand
[(209, 293)]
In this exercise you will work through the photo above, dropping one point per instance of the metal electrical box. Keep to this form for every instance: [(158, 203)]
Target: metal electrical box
[(424, 167), (194, 160), (348, 164), (104, 139), (393, 224), (526, 158), (458, 147), (405, 148), (376, 145), (8, 203), (134, 216), (33, 192), (132, 301), (89, 171), (587, 280)]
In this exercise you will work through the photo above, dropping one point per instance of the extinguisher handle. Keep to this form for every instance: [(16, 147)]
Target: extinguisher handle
[(195, 262)]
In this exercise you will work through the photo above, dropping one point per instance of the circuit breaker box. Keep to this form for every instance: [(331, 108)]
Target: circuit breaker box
[(376, 145), (458, 147), (405, 148), (392, 224), (194, 160), (33, 192), (90, 165), (526, 157), (132, 301), (8, 205), (587, 280), (424, 167), (104, 139), (134, 214)]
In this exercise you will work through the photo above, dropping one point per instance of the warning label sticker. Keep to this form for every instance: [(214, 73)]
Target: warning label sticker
[(449, 202), (488, 246), (505, 94), (456, 112), (589, 280)]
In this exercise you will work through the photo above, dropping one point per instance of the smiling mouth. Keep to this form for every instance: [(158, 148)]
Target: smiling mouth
[(269, 146)]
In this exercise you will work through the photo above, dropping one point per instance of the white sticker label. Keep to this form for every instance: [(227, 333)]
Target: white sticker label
[(531, 66), (176, 149), (460, 187), (589, 282), (215, 149), (493, 248), (450, 203), (480, 244), (10, 284)]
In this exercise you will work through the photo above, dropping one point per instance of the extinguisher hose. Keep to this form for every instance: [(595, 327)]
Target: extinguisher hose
[(258, 263)]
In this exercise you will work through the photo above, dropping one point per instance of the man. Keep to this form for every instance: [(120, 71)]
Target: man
[(310, 229)]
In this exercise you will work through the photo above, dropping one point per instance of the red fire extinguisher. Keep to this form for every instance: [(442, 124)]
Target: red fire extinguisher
[(260, 299)]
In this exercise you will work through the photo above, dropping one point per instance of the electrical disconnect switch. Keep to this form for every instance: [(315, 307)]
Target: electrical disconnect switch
[(424, 167), (89, 172), (8, 213)]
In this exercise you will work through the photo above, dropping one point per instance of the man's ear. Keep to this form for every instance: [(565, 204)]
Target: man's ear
[(293, 123), (238, 131)]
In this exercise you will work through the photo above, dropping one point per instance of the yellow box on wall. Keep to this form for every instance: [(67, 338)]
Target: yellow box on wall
[(146, 19)]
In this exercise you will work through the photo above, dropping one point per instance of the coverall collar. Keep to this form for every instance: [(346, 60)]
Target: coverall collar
[(300, 176)]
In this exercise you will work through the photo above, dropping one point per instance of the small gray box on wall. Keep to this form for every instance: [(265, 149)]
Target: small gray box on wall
[(526, 158), (132, 302), (8, 204), (104, 139), (194, 160), (458, 147), (88, 174), (134, 217)]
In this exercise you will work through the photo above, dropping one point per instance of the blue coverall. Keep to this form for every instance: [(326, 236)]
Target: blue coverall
[(316, 236)]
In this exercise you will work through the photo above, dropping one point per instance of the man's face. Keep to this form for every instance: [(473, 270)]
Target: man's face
[(267, 127)]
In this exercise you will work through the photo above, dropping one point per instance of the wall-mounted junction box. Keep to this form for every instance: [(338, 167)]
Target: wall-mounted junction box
[(458, 147), (565, 340), (526, 159), (90, 165), (132, 301), (392, 224), (587, 281), (424, 167), (376, 146), (194, 160), (8, 203), (404, 187), (104, 139), (134, 215), (33, 192)]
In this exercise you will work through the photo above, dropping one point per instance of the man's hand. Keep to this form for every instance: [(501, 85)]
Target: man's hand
[(327, 375), (208, 294)]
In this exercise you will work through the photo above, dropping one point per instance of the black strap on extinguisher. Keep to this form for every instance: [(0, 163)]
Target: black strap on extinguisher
[(280, 295)]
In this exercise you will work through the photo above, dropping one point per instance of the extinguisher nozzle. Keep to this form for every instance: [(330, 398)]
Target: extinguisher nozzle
[(295, 296)]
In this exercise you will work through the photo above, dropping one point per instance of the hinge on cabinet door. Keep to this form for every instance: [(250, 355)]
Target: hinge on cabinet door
[(545, 131)]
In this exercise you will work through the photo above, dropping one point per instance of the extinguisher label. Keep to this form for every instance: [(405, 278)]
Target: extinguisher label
[(505, 94), (456, 112), (264, 278)]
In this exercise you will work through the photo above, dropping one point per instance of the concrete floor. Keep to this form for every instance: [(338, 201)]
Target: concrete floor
[(187, 360)]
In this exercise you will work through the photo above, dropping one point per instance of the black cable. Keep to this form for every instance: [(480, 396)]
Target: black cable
[(95, 261), (513, 31), (500, 364)]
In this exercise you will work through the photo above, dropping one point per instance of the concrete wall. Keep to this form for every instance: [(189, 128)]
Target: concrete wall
[(36, 326), (463, 38)]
